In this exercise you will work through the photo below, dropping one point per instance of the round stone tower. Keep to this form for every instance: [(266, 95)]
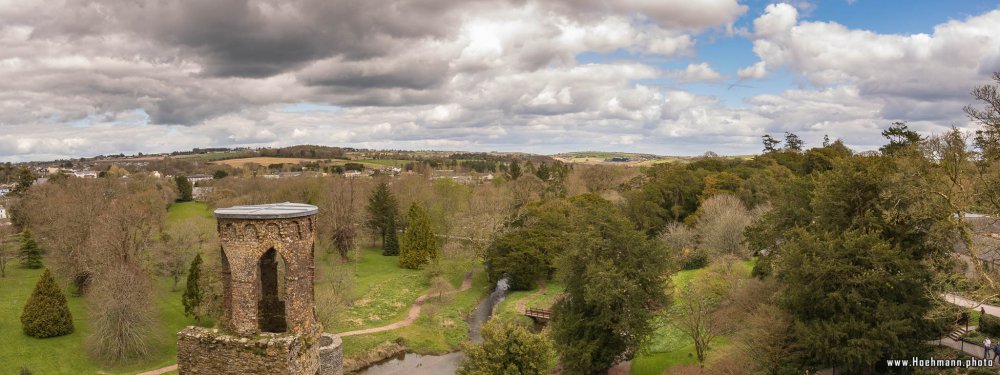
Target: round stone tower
[(268, 324)]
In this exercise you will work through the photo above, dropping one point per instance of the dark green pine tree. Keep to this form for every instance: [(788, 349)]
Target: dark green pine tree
[(383, 209), (184, 189), (46, 314), (192, 292), (31, 255), (418, 245), (391, 246)]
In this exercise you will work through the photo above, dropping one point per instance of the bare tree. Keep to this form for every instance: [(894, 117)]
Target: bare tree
[(178, 245), (695, 314), (720, 224), (123, 318), (6, 248)]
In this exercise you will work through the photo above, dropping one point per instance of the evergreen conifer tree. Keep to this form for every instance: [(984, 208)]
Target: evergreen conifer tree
[(31, 255), (391, 246), (418, 245), (192, 293), (46, 314), (383, 210), (185, 189)]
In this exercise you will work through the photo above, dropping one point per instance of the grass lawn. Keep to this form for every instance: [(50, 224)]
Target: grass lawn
[(382, 291), (440, 328), (67, 354), (179, 212)]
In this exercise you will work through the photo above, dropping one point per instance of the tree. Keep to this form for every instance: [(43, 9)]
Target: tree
[(793, 143), (184, 189), (123, 318), (514, 170), (6, 250), (593, 327), (987, 138), (695, 315), (177, 246), (507, 349), (418, 245), (220, 174), (770, 144), (342, 220), (30, 254), (23, 181), (191, 299), (383, 210), (720, 225), (526, 253), (46, 314), (852, 288), (900, 138), (391, 245)]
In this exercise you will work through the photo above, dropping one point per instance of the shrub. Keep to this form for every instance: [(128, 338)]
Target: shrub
[(989, 324), (762, 269), (46, 314), (694, 260), (507, 349)]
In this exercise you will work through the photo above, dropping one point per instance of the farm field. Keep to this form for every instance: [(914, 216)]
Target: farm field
[(262, 160)]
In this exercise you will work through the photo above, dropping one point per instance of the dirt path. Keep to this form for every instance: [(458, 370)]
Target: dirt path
[(160, 370), (519, 304), (411, 317)]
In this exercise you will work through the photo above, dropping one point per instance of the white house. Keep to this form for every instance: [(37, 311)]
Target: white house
[(85, 174), (198, 177)]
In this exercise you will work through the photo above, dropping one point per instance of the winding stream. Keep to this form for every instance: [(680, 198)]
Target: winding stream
[(416, 364)]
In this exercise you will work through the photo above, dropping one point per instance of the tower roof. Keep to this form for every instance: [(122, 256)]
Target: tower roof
[(267, 211)]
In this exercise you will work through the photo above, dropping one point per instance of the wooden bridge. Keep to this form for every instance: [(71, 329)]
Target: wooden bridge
[(539, 315)]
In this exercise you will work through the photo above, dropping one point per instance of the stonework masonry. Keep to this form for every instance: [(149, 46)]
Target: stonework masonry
[(269, 324)]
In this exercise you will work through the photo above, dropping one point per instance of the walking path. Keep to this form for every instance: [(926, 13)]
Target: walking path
[(411, 317), (160, 370), (965, 302)]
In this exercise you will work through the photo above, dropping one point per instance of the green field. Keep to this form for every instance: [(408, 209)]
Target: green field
[(178, 212), (441, 327), (67, 354)]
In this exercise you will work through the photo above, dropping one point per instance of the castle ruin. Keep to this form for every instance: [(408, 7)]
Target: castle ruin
[(269, 324)]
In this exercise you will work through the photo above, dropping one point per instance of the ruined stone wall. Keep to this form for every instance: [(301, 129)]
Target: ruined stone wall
[(211, 352)]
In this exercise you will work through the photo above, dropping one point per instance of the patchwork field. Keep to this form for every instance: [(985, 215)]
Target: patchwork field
[(262, 160)]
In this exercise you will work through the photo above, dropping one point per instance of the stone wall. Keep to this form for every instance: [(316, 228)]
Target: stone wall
[(244, 243), (211, 352), (331, 355)]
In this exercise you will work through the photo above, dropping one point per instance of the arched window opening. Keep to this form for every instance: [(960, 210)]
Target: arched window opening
[(271, 306)]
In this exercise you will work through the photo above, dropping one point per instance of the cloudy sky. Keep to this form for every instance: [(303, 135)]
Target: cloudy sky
[(673, 77)]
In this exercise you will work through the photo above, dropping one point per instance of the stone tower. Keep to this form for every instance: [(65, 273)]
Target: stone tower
[(268, 324)]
